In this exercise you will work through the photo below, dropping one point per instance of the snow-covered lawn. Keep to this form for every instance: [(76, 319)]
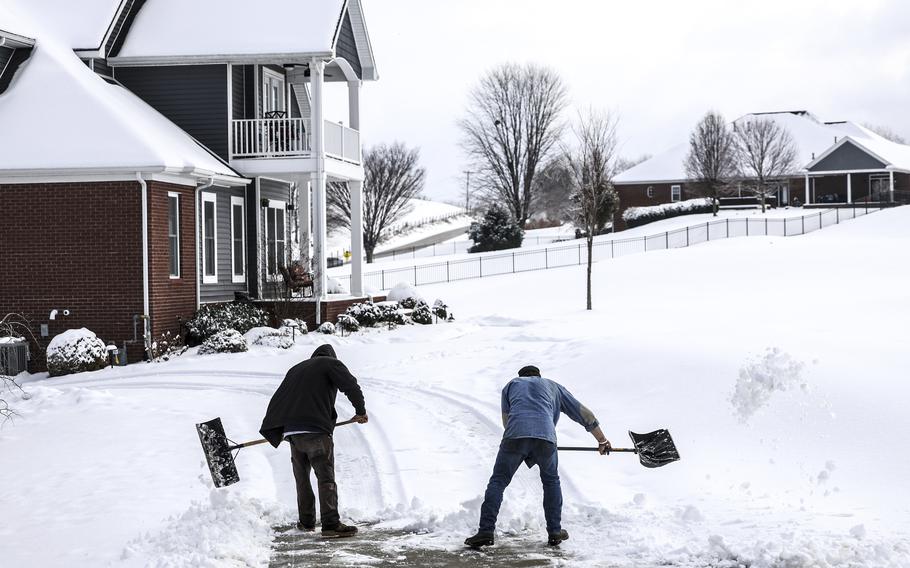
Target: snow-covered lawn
[(779, 365)]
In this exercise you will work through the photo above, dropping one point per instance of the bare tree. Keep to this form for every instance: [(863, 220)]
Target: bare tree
[(765, 154), (623, 164), (392, 178), (16, 326), (886, 133), (512, 126), (592, 163), (711, 161), (553, 193)]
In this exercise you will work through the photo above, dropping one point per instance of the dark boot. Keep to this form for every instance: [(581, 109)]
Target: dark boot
[(480, 539), (305, 527), (553, 539), (340, 530)]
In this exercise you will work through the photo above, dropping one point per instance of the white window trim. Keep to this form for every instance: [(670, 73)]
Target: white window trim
[(175, 195), (678, 188), (281, 206), (650, 191), (263, 76), (238, 201), (213, 199)]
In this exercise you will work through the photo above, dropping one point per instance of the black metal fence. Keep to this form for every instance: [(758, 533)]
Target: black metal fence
[(521, 260)]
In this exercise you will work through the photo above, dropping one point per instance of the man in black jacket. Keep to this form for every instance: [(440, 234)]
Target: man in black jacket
[(302, 411)]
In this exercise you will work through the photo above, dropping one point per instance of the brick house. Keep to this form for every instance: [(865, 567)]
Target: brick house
[(839, 162), (148, 166)]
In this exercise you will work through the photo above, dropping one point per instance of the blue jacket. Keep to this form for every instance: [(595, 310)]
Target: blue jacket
[(531, 407)]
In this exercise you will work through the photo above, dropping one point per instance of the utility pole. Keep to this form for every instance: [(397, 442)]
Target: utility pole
[(467, 190)]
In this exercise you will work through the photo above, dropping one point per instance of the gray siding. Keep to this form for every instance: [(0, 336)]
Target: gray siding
[(848, 157), (224, 290), (14, 59), (121, 27), (239, 92), (101, 67), (346, 46), (194, 97), (6, 53), (269, 189)]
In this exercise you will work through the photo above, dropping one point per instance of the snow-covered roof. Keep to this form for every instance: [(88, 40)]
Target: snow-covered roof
[(813, 139), (62, 117), (78, 25)]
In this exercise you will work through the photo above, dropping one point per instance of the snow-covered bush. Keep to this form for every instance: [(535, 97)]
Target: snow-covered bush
[(334, 286), (211, 319), (297, 324), (227, 341), (167, 346), (637, 216), (347, 323), (406, 295), (327, 328), (366, 313), (496, 231), (270, 337), (440, 310), (422, 313), (75, 351), (391, 314)]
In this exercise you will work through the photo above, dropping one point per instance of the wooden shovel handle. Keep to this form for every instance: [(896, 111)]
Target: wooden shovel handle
[(589, 449), (263, 440)]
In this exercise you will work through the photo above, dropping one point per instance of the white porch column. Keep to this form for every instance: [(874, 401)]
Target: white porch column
[(806, 202), (354, 104), (356, 189), (891, 187), (303, 219), (849, 188), (317, 70)]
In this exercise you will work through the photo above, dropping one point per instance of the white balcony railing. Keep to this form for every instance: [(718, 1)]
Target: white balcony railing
[(283, 137)]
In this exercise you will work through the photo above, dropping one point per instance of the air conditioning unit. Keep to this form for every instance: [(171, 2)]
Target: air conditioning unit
[(13, 355)]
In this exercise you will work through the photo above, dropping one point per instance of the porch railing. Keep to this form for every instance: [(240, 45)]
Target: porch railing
[(342, 142), (270, 137)]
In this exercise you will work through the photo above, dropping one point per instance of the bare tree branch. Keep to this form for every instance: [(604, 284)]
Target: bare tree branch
[(711, 161), (765, 154), (512, 126), (392, 179), (886, 133)]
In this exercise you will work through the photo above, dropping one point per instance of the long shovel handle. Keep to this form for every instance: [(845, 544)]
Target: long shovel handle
[(263, 440), (589, 449)]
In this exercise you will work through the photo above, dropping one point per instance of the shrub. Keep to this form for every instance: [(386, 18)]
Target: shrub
[(440, 310), (406, 295), (496, 231), (347, 323), (327, 328), (211, 319), (270, 337), (298, 325), (227, 341), (75, 351), (166, 346), (637, 216), (366, 313), (391, 314), (422, 314)]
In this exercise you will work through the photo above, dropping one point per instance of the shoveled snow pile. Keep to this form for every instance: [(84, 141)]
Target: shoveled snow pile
[(76, 351), (108, 469), (775, 371)]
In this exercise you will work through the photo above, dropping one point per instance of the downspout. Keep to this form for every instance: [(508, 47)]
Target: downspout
[(196, 248), (146, 309)]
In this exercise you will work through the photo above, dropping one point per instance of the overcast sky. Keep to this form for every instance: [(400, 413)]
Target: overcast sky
[(658, 64)]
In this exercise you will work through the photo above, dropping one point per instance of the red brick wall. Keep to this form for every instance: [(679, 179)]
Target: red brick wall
[(74, 246), (636, 195), (171, 299)]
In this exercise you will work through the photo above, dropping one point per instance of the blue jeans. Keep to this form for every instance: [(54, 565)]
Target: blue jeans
[(512, 452)]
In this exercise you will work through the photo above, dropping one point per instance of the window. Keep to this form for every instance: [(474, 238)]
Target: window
[(238, 241), (275, 236), (209, 240), (173, 233), (675, 193), (879, 185), (272, 91), (650, 191)]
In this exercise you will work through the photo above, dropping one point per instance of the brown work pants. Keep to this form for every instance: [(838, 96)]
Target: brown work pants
[(316, 452)]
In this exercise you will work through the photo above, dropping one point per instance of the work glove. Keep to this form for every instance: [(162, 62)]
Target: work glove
[(361, 419), (604, 448)]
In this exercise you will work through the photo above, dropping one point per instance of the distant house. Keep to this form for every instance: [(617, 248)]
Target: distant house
[(839, 162), (157, 155)]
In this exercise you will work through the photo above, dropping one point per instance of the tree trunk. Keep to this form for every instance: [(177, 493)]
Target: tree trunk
[(368, 251), (590, 261), (714, 203)]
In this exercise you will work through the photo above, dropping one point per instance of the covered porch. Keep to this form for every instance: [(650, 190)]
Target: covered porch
[(859, 171)]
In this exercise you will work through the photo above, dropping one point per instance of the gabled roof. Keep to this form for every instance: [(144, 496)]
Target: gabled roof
[(895, 156), (812, 138), (63, 118), (242, 31)]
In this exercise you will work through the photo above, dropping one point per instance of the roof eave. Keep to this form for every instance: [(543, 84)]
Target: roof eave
[(17, 175), (238, 59)]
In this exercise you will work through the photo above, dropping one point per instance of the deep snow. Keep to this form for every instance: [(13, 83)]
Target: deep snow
[(105, 468)]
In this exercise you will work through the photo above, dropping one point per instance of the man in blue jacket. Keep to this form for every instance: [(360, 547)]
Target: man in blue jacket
[(530, 409)]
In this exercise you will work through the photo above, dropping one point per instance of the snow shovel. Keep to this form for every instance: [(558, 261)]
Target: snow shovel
[(217, 448), (654, 449)]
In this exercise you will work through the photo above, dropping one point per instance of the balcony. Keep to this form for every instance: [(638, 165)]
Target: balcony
[(290, 138)]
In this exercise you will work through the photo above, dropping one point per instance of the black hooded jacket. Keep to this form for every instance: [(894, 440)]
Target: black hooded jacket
[(305, 400)]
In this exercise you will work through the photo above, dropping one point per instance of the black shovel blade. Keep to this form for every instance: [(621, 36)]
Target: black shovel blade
[(655, 449), (217, 452)]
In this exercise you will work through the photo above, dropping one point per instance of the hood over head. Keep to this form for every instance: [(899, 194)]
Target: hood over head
[(529, 371), (324, 350)]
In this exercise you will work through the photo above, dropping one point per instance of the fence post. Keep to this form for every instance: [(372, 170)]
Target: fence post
[(707, 231), (546, 258), (728, 227), (785, 226), (766, 226), (415, 275), (803, 223), (747, 226), (513, 262), (687, 235), (819, 219), (612, 242), (447, 272), (837, 215), (481, 265), (382, 273)]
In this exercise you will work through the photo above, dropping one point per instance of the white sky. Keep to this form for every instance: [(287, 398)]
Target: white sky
[(658, 64)]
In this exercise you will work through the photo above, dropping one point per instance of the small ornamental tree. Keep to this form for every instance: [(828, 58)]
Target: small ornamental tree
[(496, 231)]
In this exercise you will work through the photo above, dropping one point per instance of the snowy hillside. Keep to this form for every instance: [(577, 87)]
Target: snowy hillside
[(778, 364)]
